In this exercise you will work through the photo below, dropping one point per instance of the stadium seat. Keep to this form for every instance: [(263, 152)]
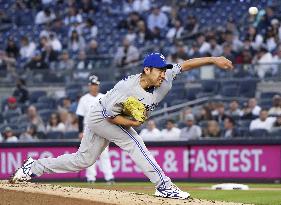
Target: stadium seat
[(268, 95), (54, 135), (71, 135), (229, 91), (276, 134), (35, 95), (210, 86), (259, 133)]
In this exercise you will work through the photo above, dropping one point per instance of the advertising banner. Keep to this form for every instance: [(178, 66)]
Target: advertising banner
[(178, 162)]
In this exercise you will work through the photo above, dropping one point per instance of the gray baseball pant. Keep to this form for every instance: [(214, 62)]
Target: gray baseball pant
[(98, 133)]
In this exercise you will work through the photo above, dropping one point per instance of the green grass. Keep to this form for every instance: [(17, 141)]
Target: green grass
[(258, 197)]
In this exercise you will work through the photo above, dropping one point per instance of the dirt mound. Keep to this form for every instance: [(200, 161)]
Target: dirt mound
[(38, 194)]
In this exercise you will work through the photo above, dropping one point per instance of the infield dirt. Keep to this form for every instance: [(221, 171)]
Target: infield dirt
[(39, 194)]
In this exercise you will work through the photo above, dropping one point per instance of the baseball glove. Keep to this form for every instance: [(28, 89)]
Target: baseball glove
[(134, 108)]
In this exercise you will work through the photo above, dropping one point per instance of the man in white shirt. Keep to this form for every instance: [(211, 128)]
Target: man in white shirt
[(84, 105), (151, 132), (252, 109), (171, 132), (44, 16), (27, 48), (191, 131), (157, 20), (263, 122)]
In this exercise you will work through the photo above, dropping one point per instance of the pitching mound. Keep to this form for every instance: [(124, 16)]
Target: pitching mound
[(38, 194)]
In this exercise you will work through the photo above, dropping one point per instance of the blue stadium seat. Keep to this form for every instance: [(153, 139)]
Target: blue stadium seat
[(35, 95), (259, 133), (268, 95), (45, 114), (210, 86), (276, 134), (229, 91), (71, 135), (247, 88), (54, 135)]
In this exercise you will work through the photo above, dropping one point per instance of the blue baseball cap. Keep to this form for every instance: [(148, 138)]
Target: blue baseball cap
[(156, 60)]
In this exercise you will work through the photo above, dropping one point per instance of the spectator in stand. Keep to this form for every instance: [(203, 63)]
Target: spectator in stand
[(193, 52), (263, 122), (35, 119), (255, 39), (45, 16), (192, 26), (9, 135), (204, 46), (73, 125), (131, 21), (128, 6), (219, 113), (276, 106), (55, 42), (21, 93), (47, 52), (234, 41), (142, 33), (12, 49), (263, 61), (65, 104), (83, 62), (55, 124), (157, 20), (270, 39), (90, 29), (5, 21), (27, 48), (141, 5), (215, 49), (65, 63), (191, 131), (228, 52), (76, 42), (277, 124), (69, 119), (212, 130), (126, 55), (234, 110), (37, 62), (73, 16), (12, 106), (252, 110), (92, 49), (171, 132), (87, 7), (204, 114), (30, 135), (181, 51), (151, 132), (229, 130), (175, 32)]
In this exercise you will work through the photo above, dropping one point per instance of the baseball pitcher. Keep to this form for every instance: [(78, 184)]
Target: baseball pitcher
[(112, 119)]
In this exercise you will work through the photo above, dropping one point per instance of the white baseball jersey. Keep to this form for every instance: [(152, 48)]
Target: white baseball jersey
[(85, 103), (130, 86)]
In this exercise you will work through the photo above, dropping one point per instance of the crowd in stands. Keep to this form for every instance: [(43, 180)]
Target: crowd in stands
[(216, 120), (62, 35), (51, 34)]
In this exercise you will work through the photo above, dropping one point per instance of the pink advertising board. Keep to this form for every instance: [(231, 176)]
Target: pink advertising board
[(179, 162)]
